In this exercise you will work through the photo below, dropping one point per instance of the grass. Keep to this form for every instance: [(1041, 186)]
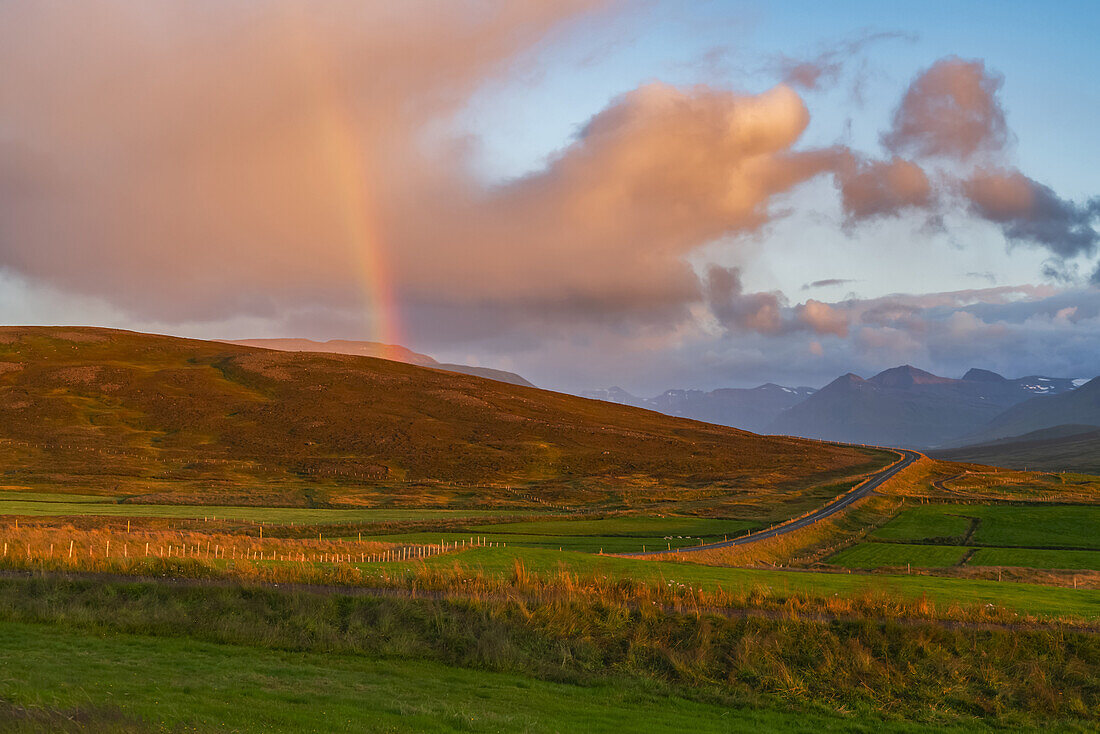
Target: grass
[(582, 543), (1050, 526), (652, 527), (268, 515), (925, 523), (1058, 526), (624, 534), (182, 683), (1026, 598), (1037, 558), (882, 555), (24, 496), (499, 564), (920, 671)]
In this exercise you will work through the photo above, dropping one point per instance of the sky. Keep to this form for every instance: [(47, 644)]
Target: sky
[(588, 192)]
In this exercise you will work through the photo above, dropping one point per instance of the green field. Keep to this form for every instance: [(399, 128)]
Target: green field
[(54, 497), (1050, 526), (172, 683), (610, 535), (114, 681), (583, 543), (659, 527), (1035, 536), (1037, 558), (880, 555), (924, 523), (60, 505)]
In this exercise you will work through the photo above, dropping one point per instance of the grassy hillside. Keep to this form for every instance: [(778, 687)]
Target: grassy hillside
[(111, 411), (1062, 448)]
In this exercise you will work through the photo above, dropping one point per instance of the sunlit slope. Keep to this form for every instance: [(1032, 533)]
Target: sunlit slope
[(84, 402)]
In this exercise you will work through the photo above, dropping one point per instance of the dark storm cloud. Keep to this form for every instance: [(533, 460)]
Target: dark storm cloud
[(1032, 213)]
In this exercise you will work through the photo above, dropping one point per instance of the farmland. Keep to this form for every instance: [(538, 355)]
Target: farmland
[(59, 505), (878, 555), (1037, 536)]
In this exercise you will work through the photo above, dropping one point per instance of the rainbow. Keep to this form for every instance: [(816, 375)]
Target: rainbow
[(345, 157)]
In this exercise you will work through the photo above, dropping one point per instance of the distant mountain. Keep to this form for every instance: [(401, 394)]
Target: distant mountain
[(1073, 448), (1078, 407), (383, 351), (487, 372), (341, 346), (751, 409), (906, 406)]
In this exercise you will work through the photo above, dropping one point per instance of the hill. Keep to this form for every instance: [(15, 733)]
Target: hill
[(382, 351), (1074, 448), (906, 406), (99, 408), (751, 409), (1079, 407), (341, 346)]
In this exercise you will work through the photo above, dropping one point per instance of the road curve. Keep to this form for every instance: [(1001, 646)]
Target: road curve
[(869, 485)]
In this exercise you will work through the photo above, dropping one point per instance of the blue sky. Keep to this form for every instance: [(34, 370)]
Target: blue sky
[(1047, 52)]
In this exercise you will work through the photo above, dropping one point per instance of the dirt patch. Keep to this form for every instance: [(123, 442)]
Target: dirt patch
[(80, 337), (264, 365), (82, 375), (460, 398)]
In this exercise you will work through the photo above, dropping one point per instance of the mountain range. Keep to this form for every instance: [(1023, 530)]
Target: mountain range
[(903, 406), (906, 406), (751, 409)]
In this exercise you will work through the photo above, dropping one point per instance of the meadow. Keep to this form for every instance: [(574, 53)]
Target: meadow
[(973, 535), (136, 646), (138, 683), (880, 555), (58, 505), (498, 629), (1038, 526)]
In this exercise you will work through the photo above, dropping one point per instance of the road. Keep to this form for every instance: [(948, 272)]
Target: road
[(869, 485)]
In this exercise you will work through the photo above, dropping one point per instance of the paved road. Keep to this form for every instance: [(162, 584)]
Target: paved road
[(868, 486)]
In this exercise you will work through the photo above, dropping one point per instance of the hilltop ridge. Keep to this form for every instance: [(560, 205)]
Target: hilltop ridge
[(120, 409)]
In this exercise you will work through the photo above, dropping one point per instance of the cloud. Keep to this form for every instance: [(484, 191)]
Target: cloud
[(767, 312), (759, 312), (210, 158), (259, 160), (1029, 212), (950, 110), (984, 275), (883, 188), (826, 67), (821, 318), (828, 282)]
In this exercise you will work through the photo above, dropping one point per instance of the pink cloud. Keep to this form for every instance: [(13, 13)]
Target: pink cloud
[(883, 188), (951, 109)]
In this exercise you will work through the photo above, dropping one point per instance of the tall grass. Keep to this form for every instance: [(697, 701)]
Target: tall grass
[(925, 672)]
